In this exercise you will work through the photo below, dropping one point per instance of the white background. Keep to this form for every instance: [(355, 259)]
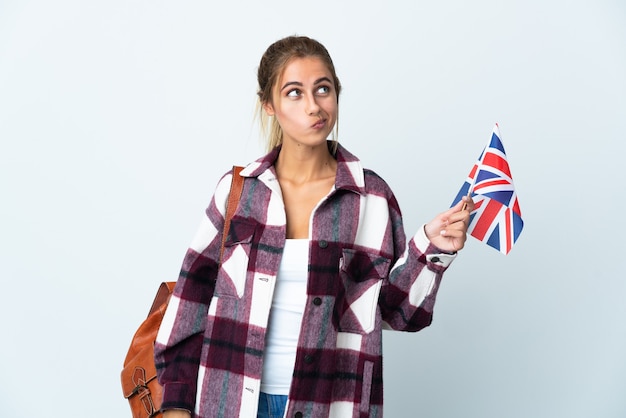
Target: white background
[(118, 117)]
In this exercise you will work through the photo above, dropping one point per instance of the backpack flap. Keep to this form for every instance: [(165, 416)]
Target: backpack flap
[(139, 378)]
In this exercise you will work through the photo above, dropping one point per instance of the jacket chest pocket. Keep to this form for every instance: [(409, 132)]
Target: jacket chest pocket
[(362, 275), (231, 276)]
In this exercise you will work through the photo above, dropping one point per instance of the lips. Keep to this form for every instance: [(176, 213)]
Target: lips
[(319, 124)]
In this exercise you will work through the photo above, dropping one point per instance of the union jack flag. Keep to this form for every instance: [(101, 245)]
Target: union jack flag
[(496, 219)]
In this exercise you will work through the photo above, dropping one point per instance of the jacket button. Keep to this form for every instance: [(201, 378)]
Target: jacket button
[(323, 244), (435, 259), (298, 415), (308, 359), (317, 301)]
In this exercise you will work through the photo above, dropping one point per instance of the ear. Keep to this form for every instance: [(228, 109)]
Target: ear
[(269, 109)]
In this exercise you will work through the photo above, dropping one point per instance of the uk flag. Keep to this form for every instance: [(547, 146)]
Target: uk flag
[(496, 219)]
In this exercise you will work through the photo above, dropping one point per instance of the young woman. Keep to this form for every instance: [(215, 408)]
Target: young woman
[(316, 263)]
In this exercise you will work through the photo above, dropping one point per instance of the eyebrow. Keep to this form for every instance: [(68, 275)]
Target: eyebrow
[(299, 84)]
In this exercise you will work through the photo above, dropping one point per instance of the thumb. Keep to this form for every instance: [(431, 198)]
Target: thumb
[(456, 208)]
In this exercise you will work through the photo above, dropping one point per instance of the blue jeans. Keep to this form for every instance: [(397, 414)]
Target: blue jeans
[(271, 406)]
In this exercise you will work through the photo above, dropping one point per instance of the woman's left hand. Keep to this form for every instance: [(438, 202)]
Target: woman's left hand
[(448, 231)]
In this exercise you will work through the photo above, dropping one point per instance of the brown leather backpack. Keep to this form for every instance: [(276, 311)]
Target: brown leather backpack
[(139, 378)]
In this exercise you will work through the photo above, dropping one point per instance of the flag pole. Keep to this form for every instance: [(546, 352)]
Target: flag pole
[(469, 194), (471, 188)]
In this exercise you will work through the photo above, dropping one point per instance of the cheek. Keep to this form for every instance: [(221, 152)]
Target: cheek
[(287, 109), (331, 108), (284, 116)]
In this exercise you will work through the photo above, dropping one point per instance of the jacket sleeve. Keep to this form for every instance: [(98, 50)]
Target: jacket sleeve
[(408, 296), (178, 343)]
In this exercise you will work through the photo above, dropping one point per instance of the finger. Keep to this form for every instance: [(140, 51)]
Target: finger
[(453, 232), (454, 209), (465, 204), (462, 217), (469, 203)]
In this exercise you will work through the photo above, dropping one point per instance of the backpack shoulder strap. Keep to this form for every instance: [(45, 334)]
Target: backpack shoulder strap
[(236, 186)]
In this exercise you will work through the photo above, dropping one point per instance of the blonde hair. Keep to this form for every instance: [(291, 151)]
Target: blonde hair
[(271, 68)]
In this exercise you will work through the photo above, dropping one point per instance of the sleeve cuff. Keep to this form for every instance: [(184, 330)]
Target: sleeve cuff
[(434, 256), (178, 395)]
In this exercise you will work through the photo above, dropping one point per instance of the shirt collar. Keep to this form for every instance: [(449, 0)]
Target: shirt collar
[(349, 170)]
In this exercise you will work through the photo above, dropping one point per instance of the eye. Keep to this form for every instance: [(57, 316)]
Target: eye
[(323, 90), (294, 93)]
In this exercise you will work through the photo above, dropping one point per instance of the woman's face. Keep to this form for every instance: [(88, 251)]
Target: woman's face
[(304, 102)]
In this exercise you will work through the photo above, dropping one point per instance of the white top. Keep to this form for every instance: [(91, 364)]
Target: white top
[(285, 318)]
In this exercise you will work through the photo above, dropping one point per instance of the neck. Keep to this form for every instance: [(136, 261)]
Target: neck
[(301, 163)]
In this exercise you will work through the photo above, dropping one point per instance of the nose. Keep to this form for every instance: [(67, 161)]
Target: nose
[(313, 107)]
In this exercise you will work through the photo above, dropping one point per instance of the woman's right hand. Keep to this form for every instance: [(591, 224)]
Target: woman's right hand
[(176, 413)]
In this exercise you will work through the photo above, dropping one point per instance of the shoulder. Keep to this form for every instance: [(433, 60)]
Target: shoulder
[(222, 189), (374, 183), (377, 187)]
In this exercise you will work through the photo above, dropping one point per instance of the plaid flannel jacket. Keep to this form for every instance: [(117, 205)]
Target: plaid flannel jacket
[(363, 276)]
